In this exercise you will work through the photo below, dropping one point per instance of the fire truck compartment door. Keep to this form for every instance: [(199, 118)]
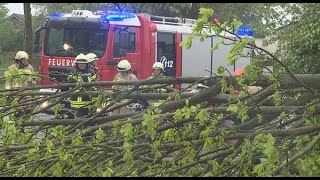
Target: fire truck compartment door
[(166, 52)]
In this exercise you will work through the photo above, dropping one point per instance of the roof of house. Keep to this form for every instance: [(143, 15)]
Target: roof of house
[(19, 16)]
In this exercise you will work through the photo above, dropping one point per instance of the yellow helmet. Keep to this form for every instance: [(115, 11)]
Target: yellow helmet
[(91, 57), (157, 65), (124, 65), (21, 55), (81, 59)]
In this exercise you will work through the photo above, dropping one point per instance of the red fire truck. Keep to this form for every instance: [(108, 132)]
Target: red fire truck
[(142, 39)]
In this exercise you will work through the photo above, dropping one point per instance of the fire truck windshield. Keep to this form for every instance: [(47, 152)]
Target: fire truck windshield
[(71, 41)]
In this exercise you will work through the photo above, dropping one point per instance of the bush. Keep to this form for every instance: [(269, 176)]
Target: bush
[(11, 38), (6, 59)]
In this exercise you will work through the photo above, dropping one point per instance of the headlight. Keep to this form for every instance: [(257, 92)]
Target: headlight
[(44, 104)]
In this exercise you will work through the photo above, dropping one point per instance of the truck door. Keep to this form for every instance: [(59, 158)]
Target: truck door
[(166, 52), (131, 52)]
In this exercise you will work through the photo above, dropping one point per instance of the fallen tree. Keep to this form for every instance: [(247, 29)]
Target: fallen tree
[(271, 132)]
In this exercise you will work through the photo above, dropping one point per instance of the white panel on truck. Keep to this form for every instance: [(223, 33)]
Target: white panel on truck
[(197, 59), (242, 62), (220, 55)]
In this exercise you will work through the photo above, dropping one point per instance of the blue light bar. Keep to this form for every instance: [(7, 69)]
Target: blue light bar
[(116, 17), (56, 15), (244, 30)]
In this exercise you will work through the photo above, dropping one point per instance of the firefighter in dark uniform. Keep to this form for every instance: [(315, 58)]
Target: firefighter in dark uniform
[(82, 74)]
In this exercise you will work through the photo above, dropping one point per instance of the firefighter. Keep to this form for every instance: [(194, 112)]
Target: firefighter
[(93, 64), (142, 103), (82, 74), (200, 87), (20, 75), (125, 74), (14, 74), (157, 70)]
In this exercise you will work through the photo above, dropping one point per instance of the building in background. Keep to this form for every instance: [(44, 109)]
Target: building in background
[(16, 19)]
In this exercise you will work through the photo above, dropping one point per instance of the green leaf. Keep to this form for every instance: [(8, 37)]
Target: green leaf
[(108, 172), (100, 134), (296, 97), (157, 154), (167, 133), (258, 169), (177, 115), (187, 114), (208, 143), (77, 141), (206, 11), (187, 102), (57, 171), (127, 131), (312, 108), (202, 117), (187, 42), (3, 100), (128, 156), (259, 118), (220, 69), (233, 108), (224, 85)]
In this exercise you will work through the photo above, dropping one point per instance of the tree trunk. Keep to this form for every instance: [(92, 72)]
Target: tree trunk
[(28, 32)]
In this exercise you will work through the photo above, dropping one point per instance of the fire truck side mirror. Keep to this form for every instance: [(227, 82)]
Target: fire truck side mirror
[(37, 44)]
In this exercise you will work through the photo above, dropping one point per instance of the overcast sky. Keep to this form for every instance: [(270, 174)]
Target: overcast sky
[(15, 8)]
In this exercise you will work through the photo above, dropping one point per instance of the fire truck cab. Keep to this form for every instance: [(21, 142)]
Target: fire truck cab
[(142, 39)]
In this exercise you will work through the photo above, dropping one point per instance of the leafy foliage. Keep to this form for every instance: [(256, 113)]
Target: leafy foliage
[(185, 136), (11, 38), (294, 29), (3, 11)]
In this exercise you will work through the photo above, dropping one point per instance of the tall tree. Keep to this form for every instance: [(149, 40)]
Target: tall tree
[(28, 30), (11, 37), (297, 34), (3, 11)]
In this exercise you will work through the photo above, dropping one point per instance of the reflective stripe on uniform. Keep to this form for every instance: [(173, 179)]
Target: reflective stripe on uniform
[(79, 103), (90, 78), (18, 78)]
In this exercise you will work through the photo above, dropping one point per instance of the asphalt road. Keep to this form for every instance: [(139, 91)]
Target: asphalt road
[(40, 116)]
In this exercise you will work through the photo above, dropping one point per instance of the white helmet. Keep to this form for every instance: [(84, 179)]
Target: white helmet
[(202, 86), (21, 55), (81, 59), (157, 65), (137, 107), (124, 65), (91, 57)]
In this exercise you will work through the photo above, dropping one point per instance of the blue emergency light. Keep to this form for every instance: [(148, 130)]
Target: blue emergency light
[(56, 15), (116, 17), (244, 30)]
